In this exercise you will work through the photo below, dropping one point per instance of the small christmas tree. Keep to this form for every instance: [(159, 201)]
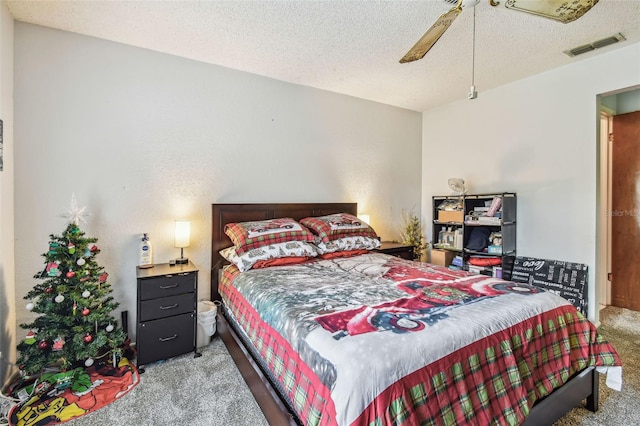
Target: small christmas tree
[(76, 327), (412, 233)]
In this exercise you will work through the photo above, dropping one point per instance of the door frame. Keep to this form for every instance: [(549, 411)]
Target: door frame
[(603, 219)]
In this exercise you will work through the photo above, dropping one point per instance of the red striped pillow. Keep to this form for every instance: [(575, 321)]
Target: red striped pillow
[(250, 235)]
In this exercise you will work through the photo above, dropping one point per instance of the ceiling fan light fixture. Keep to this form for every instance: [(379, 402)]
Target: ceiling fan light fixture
[(558, 10), (595, 45)]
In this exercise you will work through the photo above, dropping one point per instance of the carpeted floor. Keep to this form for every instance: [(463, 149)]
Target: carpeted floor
[(184, 391), (210, 391)]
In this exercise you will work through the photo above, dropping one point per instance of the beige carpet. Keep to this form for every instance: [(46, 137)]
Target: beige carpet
[(184, 391)]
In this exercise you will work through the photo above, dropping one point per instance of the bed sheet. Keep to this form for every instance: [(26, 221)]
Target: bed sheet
[(374, 339)]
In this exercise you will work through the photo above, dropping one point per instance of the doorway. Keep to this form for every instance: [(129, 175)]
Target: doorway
[(619, 194)]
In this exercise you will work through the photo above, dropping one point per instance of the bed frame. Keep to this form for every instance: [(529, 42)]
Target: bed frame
[(582, 386)]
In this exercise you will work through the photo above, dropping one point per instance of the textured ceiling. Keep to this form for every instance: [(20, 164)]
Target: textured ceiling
[(346, 46)]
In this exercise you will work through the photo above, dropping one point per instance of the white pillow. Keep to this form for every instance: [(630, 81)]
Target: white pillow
[(348, 243), (246, 261)]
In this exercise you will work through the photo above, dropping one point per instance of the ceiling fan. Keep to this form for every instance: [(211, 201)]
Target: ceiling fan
[(560, 10)]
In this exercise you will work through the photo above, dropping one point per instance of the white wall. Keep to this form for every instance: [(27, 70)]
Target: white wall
[(143, 138), (7, 270), (537, 137), (628, 102)]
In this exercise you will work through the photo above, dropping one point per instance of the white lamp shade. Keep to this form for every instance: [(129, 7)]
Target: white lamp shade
[(183, 233)]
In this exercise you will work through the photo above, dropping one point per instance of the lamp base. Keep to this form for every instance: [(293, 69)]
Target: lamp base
[(182, 261)]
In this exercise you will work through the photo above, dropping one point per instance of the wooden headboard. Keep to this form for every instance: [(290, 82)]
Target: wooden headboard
[(227, 213)]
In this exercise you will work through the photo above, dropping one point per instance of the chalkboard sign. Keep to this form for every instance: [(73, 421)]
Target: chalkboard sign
[(567, 279)]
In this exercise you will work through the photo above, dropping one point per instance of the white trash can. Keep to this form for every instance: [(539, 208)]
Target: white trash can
[(207, 311)]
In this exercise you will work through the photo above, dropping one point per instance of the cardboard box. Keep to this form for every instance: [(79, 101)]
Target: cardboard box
[(450, 216), (442, 257)]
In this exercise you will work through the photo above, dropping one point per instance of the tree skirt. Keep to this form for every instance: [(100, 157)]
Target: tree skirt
[(104, 384)]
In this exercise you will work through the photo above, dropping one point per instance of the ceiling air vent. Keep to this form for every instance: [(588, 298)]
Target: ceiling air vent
[(595, 45)]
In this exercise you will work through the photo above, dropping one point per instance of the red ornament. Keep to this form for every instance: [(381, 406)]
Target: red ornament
[(85, 311), (42, 345), (94, 248), (70, 274), (48, 290), (88, 338), (103, 277)]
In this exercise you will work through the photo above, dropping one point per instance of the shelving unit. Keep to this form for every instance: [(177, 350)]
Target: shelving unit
[(463, 221)]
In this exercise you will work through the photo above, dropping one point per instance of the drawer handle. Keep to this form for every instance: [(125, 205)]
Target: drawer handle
[(166, 339), (164, 308), (164, 287)]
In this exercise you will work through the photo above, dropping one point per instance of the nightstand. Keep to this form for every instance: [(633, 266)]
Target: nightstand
[(396, 249), (166, 323)]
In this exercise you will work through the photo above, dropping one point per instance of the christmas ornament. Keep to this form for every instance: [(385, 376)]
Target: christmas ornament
[(71, 247), (53, 269), (88, 362), (58, 343), (109, 328), (42, 345), (70, 274), (53, 247), (88, 338), (87, 252), (85, 276), (48, 290), (59, 298), (30, 339), (86, 294), (29, 306), (75, 306), (81, 261), (85, 311), (94, 248), (103, 277)]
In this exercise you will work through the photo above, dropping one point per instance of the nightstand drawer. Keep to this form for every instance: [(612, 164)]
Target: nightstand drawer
[(168, 285), (167, 306), (165, 338)]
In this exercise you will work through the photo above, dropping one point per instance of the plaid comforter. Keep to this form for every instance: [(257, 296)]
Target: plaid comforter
[(377, 340)]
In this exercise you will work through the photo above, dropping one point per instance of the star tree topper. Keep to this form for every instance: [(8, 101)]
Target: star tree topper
[(75, 214)]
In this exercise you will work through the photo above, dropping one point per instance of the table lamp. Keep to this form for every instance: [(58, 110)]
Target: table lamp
[(182, 238)]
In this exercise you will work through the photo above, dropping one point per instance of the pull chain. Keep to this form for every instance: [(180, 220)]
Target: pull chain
[(472, 91)]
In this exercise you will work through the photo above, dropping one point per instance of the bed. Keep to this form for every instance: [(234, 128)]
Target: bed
[(298, 376)]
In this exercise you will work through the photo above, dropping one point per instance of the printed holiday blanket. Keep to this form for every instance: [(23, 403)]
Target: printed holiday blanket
[(374, 339), (55, 404)]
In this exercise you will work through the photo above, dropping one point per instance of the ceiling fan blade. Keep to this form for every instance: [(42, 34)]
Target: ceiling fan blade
[(432, 35), (559, 10)]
